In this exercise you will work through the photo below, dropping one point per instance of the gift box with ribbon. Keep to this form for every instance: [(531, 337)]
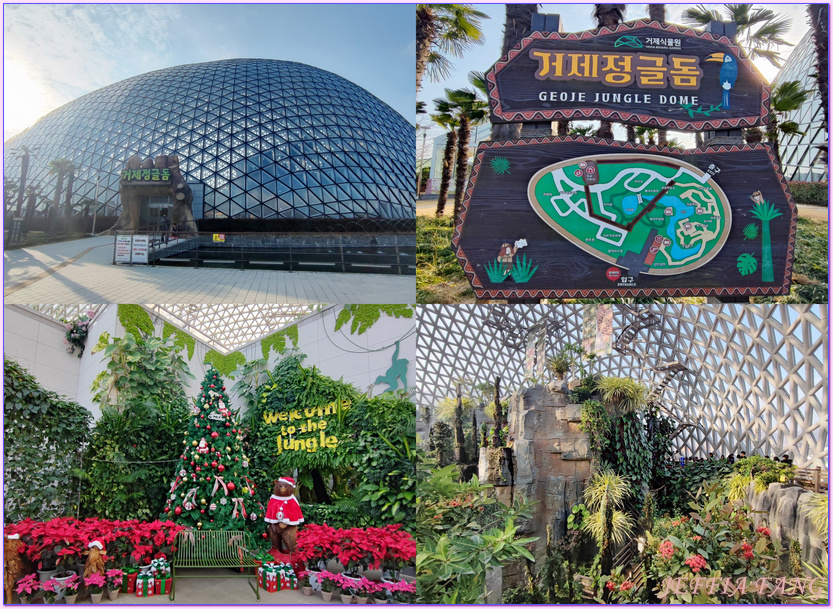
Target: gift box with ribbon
[(162, 586), (128, 582), (145, 585), (270, 576)]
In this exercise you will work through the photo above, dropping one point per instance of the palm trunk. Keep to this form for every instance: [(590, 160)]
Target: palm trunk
[(459, 437), (425, 33), (55, 210), (463, 134), (605, 130), (500, 419), (448, 162), (563, 128), (24, 174), (631, 131), (516, 27), (68, 198), (31, 203), (766, 253)]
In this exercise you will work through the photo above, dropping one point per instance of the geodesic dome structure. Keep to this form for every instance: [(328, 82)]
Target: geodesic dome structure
[(256, 138), (733, 377)]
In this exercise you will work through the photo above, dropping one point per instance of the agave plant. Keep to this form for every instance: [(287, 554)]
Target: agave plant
[(522, 271), (496, 271)]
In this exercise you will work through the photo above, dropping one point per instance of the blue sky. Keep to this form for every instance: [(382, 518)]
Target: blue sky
[(576, 18), (55, 53)]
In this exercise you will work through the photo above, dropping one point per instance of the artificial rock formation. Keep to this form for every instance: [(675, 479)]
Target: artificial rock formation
[(784, 510), (131, 193), (550, 460)]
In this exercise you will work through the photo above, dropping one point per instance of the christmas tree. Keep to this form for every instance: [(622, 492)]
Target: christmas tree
[(211, 486)]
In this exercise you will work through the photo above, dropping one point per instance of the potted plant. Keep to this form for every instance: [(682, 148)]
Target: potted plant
[(49, 591), (27, 588), (380, 593), (114, 579), (303, 581), (96, 583), (328, 586), (362, 590), (69, 588)]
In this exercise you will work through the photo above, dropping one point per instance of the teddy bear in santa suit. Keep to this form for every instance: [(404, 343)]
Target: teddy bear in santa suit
[(283, 513)]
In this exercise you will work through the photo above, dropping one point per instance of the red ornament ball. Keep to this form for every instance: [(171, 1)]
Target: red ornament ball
[(228, 434), (231, 486), (202, 416), (198, 468), (214, 434), (224, 387), (208, 426), (212, 386), (233, 431), (167, 509), (202, 511), (228, 424), (221, 467), (264, 535), (236, 459), (192, 464), (213, 464), (178, 511)]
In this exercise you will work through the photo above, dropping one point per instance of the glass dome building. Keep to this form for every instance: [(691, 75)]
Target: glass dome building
[(256, 138)]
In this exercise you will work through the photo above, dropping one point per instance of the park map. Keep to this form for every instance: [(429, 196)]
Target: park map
[(645, 213)]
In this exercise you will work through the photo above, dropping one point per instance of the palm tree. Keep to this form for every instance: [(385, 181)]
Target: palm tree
[(786, 97), (759, 29), (766, 213), (32, 193), (623, 394), (469, 110), (441, 30), (25, 156), (61, 168), (69, 193), (9, 195), (608, 525), (607, 15), (656, 12), (818, 20), (448, 121), (516, 27)]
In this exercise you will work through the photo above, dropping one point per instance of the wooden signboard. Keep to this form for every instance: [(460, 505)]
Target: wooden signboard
[(582, 217), (640, 72)]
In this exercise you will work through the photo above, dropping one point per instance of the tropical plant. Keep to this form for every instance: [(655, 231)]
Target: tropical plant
[(607, 15), (69, 191), (765, 212), (496, 271), (44, 438), (447, 121), (582, 130), (443, 30), (559, 364), (747, 263), (517, 25), (607, 524), (819, 20), (750, 231), (249, 375), (462, 533), (468, 109), (522, 271), (760, 30), (25, 154), (818, 512), (622, 394), (759, 472), (786, 97), (596, 423)]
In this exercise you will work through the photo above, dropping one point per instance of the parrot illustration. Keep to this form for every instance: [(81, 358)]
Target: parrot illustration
[(728, 74)]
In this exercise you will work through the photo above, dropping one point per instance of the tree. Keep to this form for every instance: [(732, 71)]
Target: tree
[(60, 168), (766, 213), (759, 29), (469, 110), (459, 437), (9, 195), (210, 486), (500, 417), (607, 524), (446, 119), (786, 97), (623, 395), (25, 156), (607, 15), (656, 12), (69, 191), (442, 30), (516, 27), (819, 14), (32, 193)]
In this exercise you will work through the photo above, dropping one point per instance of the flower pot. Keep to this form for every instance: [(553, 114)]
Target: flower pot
[(113, 594), (95, 597), (60, 590), (307, 590), (313, 579), (360, 600), (346, 597), (24, 600), (70, 598), (327, 596), (45, 576)]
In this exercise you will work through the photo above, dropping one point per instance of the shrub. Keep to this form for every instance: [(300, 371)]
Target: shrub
[(44, 436), (809, 193)]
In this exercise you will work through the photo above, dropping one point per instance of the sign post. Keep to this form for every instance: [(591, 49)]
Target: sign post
[(583, 217)]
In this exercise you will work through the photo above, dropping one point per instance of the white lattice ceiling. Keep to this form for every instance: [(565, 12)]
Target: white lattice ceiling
[(751, 377)]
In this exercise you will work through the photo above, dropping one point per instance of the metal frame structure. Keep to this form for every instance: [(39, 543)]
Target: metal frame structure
[(734, 377)]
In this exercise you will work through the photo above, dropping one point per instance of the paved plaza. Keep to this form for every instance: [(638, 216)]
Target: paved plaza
[(82, 271)]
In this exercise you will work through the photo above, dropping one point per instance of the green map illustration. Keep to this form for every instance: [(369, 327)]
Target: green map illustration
[(646, 213)]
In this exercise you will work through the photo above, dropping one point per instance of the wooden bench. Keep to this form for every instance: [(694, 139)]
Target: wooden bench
[(212, 550)]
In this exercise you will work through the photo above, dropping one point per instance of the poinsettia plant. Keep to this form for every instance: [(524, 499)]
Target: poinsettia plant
[(71, 585), (114, 577), (317, 543), (28, 585), (96, 582)]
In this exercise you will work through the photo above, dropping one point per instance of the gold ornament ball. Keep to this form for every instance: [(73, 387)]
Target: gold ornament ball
[(199, 525), (185, 441), (202, 501), (182, 494), (193, 442), (245, 490), (228, 448)]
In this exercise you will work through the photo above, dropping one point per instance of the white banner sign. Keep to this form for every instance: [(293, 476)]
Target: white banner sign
[(140, 249), (122, 249)]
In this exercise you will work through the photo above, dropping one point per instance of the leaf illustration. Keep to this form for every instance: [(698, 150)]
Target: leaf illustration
[(500, 165), (747, 264), (750, 231)]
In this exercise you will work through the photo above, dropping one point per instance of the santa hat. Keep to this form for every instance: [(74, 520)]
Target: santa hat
[(15, 536), (287, 480), (96, 543)]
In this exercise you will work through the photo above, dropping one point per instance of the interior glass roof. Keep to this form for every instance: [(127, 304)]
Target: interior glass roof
[(733, 377)]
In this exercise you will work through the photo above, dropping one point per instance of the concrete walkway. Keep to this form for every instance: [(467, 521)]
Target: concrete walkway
[(82, 271)]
